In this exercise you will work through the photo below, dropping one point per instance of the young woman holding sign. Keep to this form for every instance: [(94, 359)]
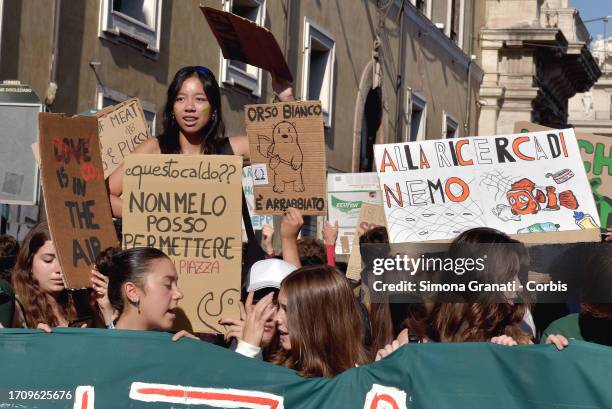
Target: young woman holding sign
[(192, 123), (37, 280)]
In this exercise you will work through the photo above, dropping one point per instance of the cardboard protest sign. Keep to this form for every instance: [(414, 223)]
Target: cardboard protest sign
[(190, 207), (243, 40), (346, 192), (257, 221), (370, 216), (526, 183), (287, 156), (596, 152), (76, 200), (121, 127)]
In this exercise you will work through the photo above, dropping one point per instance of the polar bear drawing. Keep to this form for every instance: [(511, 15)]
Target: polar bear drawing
[(285, 157)]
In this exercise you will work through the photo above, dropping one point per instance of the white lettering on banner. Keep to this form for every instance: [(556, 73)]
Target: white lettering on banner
[(215, 397), (379, 397), (84, 397), (385, 397)]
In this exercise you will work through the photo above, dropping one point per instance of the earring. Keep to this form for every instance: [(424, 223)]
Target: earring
[(136, 304), (172, 116)]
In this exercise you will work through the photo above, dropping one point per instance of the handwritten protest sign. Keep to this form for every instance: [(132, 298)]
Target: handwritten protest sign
[(190, 207), (434, 190), (370, 216), (346, 192), (596, 154), (75, 195), (121, 127), (287, 156), (257, 221), (243, 40)]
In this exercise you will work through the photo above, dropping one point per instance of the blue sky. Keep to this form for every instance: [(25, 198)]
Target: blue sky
[(594, 9)]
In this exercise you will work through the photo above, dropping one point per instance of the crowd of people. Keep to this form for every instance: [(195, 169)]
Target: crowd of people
[(299, 309)]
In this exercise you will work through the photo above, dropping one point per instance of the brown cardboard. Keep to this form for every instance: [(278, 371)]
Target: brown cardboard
[(242, 40), (75, 195), (36, 152), (287, 151), (524, 126), (121, 127), (370, 216), (203, 191), (596, 152)]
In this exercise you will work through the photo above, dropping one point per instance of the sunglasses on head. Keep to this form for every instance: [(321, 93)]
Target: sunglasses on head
[(203, 70)]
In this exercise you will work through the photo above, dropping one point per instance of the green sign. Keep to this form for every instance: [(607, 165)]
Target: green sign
[(346, 205)]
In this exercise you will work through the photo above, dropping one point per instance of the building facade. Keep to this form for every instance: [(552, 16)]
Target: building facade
[(591, 111), (535, 57), (385, 70)]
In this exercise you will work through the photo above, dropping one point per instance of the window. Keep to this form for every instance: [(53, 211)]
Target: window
[(449, 126), (110, 97), (236, 72), (454, 21), (372, 117), (318, 68), (416, 117), (135, 22), (424, 6), (1, 19)]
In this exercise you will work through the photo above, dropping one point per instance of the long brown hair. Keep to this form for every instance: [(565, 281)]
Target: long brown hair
[(326, 330), (36, 309), (381, 322), (478, 318)]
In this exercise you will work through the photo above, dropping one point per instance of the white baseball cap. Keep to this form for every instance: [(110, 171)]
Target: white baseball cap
[(268, 273)]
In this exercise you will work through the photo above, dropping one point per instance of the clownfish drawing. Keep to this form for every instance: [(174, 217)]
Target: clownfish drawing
[(525, 198)]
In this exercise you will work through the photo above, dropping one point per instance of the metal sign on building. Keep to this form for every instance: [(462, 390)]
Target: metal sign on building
[(19, 108)]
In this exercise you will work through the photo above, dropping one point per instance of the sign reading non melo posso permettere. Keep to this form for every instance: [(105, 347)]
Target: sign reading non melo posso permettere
[(190, 207)]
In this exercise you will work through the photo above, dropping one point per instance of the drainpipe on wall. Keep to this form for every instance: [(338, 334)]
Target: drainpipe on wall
[(399, 90), (468, 111), (52, 86)]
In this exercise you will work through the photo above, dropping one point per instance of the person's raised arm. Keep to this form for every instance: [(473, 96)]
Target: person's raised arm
[(330, 235), (290, 227), (115, 180)]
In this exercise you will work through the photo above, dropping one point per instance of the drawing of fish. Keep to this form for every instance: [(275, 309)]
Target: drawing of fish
[(525, 198)]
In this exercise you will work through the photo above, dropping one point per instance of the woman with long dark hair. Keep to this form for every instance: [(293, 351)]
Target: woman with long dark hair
[(39, 287), (476, 316), (321, 331), (192, 123)]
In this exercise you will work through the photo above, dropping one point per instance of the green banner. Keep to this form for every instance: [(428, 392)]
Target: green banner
[(88, 368)]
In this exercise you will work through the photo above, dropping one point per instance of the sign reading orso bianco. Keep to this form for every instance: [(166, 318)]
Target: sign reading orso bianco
[(287, 156)]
